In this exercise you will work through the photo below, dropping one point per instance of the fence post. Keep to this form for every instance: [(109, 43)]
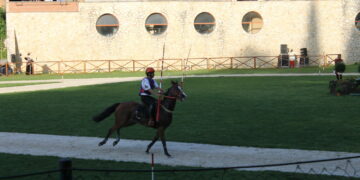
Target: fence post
[(182, 65), (65, 169), (231, 62), (133, 65), (254, 62), (33, 67), (59, 68), (152, 167), (6, 69), (109, 65), (207, 64)]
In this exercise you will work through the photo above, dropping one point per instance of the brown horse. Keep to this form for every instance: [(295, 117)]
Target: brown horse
[(125, 116)]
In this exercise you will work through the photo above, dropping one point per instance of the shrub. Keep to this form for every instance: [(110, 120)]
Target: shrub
[(343, 87)]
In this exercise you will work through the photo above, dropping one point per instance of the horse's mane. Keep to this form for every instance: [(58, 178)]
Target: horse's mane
[(173, 83)]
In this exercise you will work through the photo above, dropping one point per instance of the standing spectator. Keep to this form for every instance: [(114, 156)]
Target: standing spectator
[(339, 67), (292, 58), (29, 65), (338, 59)]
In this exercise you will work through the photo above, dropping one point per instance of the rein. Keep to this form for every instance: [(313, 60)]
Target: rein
[(170, 97), (166, 109)]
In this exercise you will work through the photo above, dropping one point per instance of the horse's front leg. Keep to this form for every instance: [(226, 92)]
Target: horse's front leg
[(156, 137), (162, 137)]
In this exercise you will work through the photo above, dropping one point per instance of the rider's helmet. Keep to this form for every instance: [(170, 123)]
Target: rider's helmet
[(149, 70)]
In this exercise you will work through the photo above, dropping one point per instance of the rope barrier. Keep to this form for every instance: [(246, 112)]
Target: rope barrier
[(30, 174), (224, 169)]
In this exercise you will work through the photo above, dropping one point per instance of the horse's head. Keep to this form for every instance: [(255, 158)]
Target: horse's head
[(176, 91)]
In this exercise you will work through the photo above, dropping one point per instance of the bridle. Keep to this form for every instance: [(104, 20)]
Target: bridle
[(169, 97), (177, 95)]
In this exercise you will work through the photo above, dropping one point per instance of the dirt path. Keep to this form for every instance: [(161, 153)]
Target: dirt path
[(184, 154)]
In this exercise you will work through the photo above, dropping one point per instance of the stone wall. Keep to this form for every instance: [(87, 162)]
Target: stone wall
[(324, 27), (351, 35)]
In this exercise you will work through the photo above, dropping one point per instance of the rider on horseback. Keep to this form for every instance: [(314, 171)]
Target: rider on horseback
[(149, 87)]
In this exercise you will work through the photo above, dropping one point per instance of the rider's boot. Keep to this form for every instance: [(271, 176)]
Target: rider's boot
[(150, 114), (151, 122)]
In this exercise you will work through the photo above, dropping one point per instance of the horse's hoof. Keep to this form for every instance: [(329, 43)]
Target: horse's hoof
[(101, 143), (168, 155), (115, 143), (147, 152)]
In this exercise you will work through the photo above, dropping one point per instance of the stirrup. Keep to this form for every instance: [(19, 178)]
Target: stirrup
[(151, 123), (137, 117)]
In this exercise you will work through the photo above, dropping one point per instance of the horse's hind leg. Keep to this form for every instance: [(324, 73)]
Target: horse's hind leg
[(125, 121), (156, 137), (117, 137), (111, 130)]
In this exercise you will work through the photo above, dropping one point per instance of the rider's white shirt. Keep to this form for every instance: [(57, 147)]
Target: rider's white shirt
[(292, 56), (145, 84)]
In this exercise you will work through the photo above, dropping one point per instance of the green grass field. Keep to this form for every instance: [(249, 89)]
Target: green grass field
[(273, 112)]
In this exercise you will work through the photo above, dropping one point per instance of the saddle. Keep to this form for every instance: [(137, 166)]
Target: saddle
[(142, 112)]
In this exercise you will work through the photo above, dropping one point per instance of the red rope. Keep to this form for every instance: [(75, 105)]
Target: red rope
[(170, 97), (158, 110), (158, 107)]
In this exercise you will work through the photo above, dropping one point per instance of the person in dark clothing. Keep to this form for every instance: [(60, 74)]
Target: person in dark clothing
[(29, 65), (339, 67)]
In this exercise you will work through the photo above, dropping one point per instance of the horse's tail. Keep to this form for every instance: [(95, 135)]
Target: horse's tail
[(107, 112)]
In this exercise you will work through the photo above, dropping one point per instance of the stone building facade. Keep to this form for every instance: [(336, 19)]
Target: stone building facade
[(60, 31)]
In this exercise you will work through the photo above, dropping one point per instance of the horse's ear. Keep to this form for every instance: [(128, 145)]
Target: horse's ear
[(174, 82)]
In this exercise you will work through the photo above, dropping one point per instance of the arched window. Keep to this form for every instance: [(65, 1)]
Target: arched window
[(156, 24), (107, 25), (357, 21), (252, 22), (204, 23)]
